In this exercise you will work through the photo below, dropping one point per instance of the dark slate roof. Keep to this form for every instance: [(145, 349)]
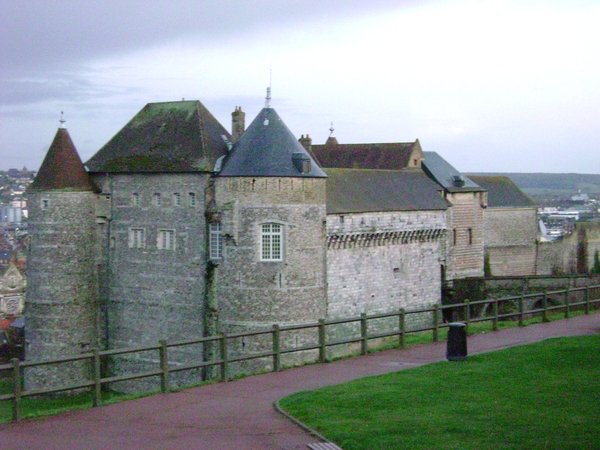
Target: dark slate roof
[(357, 191), (389, 156), (164, 137), (266, 149), (440, 170), (62, 169), (502, 192)]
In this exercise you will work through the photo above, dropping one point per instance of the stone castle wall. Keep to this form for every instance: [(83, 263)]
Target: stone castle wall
[(510, 241), (154, 282), (61, 309), (465, 236)]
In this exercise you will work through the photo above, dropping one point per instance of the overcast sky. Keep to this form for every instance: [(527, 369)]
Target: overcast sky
[(492, 86)]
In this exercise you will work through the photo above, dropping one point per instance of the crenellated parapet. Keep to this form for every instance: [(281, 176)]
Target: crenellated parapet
[(376, 239)]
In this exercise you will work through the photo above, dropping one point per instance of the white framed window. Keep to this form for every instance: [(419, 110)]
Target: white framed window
[(270, 242), (165, 240), (137, 238), (215, 241), (135, 199), (192, 198), (156, 199), (177, 199)]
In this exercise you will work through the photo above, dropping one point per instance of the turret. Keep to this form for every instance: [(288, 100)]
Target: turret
[(61, 299)]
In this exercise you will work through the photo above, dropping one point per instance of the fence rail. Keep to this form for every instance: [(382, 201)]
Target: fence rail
[(547, 303)]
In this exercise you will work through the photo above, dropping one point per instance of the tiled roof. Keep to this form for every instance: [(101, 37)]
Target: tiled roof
[(164, 137), (62, 169), (356, 191), (390, 156), (502, 192), (268, 149), (442, 172)]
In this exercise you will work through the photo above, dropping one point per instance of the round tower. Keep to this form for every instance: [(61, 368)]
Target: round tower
[(61, 298), (269, 217)]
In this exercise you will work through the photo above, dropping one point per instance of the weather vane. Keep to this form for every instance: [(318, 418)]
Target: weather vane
[(62, 121), (331, 129)]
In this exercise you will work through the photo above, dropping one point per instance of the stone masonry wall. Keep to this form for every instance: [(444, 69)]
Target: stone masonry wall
[(156, 264), (510, 240), (61, 303), (464, 248), (253, 294), (381, 262)]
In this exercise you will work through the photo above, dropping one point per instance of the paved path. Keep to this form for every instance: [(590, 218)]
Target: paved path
[(240, 415)]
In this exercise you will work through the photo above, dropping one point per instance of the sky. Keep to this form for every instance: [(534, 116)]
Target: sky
[(492, 86)]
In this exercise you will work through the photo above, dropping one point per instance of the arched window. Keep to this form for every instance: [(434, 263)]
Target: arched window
[(270, 242)]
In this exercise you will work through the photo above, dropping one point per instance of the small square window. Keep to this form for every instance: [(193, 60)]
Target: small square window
[(45, 203), (165, 240), (137, 238)]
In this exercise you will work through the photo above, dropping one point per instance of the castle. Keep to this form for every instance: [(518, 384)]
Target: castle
[(177, 229)]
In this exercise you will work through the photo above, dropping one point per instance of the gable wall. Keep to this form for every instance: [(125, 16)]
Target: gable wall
[(464, 259)]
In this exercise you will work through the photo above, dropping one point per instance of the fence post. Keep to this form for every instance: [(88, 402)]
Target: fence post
[(567, 301), (322, 344), (17, 388), (495, 319), (467, 313), (224, 363), (587, 299), (363, 334), (276, 348), (164, 367), (97, 394), (436, 329), (545, 305), (402, 326), (521, 311)]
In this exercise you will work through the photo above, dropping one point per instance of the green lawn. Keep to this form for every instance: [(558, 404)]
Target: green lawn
[(539, 396)]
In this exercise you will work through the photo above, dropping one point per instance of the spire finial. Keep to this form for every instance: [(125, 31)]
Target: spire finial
[(268, 97), (62, 120), (331, 129)]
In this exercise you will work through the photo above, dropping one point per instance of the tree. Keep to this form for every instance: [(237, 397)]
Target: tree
[(582, 251)]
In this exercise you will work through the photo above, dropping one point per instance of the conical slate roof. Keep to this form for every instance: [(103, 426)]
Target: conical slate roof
[(164, 137), (62, 169), (269, 149)]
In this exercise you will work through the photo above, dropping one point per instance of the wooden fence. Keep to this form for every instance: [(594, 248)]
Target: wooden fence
[(563, 300)]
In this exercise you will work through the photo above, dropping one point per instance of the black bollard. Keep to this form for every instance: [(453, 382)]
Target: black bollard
[(457, 342)]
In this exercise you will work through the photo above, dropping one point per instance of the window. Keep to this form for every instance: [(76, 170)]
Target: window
[(135, 199), (470, 231), (270, 242), (156, 199), (165, 240), (137, 238), (454, 237), (192, 199), (177, 199), (215, 241), (45, 203)]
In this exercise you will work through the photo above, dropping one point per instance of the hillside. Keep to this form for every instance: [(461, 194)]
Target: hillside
[(552, 183)]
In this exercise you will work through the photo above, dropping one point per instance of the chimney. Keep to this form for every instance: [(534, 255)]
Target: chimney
[(306, 142), (238, 123)]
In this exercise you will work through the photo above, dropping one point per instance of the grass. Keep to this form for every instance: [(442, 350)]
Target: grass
[(539, 396)]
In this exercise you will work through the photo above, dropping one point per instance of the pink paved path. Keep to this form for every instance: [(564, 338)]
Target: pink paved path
[(239, 414)]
